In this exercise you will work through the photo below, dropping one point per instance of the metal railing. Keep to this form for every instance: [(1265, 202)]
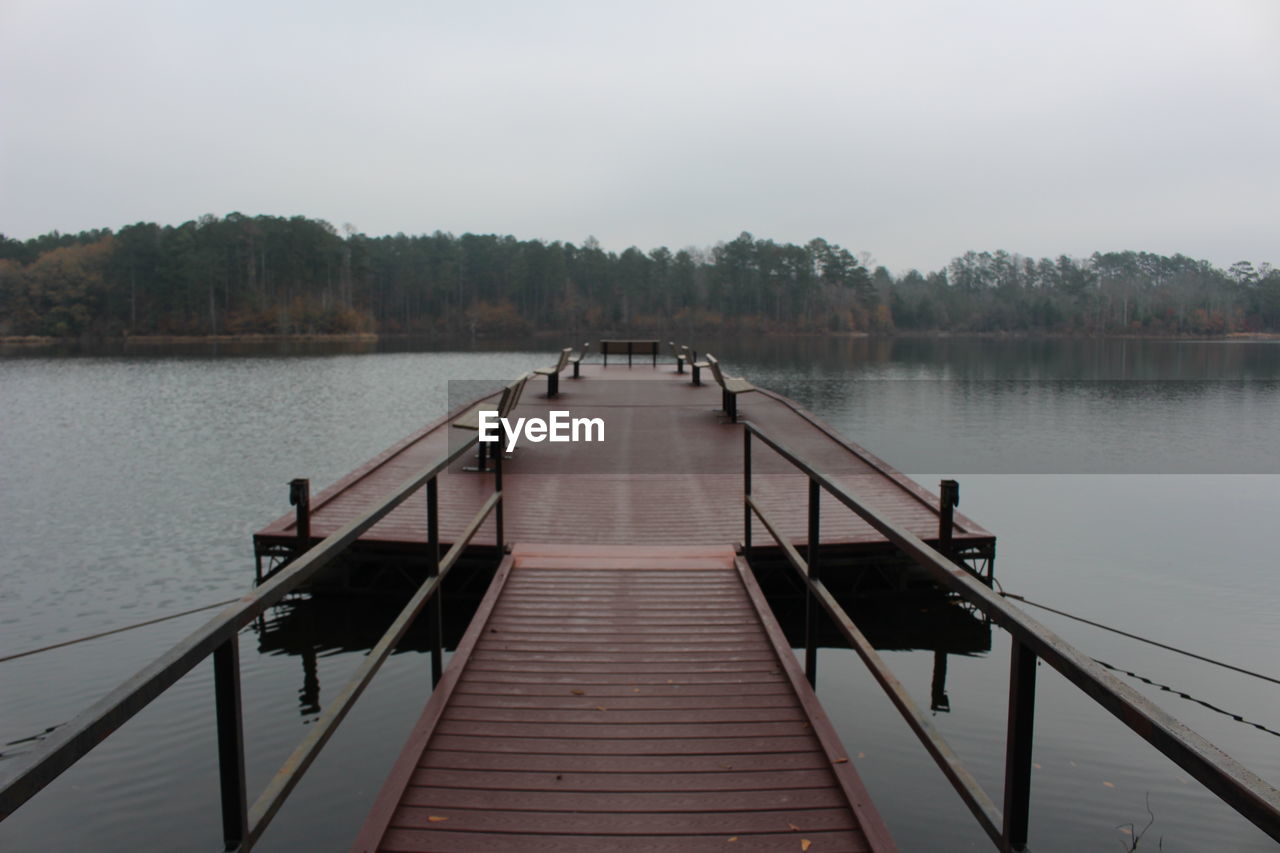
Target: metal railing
[(1253, 797), (243, 824)]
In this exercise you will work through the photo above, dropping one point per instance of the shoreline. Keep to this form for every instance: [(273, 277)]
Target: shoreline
[(36, 341), (46, 340)]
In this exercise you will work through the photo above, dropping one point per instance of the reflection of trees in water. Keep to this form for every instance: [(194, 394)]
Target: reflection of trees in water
[(960, 357)]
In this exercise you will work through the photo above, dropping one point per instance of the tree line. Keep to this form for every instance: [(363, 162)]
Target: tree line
[(275, 275)]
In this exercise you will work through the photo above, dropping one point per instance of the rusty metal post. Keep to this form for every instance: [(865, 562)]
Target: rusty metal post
[(948, 500), (226, 687), (810, 601), (434, 610), (1017, 759), (746, 491), (300, 497)]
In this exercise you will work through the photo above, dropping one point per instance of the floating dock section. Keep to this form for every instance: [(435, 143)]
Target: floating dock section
[(669, 470)]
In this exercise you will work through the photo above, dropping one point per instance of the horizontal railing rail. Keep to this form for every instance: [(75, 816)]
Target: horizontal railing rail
[(1250, 795), (28, 774)]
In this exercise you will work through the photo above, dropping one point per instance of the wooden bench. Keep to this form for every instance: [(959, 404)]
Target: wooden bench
[(691, 358), (506, 404), (679, 355), (730, 388), (576, 359), (553, 372), (631, 348)]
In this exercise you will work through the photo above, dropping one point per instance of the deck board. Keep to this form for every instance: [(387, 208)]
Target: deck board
[(606, 743), (670, 465)]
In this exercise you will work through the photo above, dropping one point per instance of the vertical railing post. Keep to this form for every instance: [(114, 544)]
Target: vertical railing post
[(949, 499), (810, 601), (434, 609), (300, 497), (1017, 766), (226, 688), (746, 491), (497, 487)]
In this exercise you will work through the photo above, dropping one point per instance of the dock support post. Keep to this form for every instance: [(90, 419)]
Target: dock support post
[(434, 610), (746, 490), (226, 688), (949, 499), (938, 700), (497, 510), (1017, 766), (810, 604), (300, 497)]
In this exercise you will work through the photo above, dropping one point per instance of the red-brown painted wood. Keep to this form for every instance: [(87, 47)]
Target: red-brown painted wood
[(700, 770), (721, 821), (617, 781), (568, 800), (668, 470), (614, 738), (411, 841)]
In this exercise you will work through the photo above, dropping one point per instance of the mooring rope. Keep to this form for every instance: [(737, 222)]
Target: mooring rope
[(1155, 643), (115, 631)]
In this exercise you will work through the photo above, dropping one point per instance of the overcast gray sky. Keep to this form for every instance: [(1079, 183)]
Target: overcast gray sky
[(912, 131)]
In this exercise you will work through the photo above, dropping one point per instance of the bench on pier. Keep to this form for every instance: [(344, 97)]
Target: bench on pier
[(679, 354), (576, 358), (506, 404), (730, 388), (691, 358), (629, 348), (553, 372)]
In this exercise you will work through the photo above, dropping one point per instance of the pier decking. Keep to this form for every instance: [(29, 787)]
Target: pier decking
[(624, 685), (627, 699), (671, 464)]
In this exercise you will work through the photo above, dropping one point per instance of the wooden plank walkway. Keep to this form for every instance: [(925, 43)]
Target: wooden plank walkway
[(671, 463), (623, 699)]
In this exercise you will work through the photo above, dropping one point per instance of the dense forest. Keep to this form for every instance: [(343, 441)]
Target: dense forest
[(274, 275)]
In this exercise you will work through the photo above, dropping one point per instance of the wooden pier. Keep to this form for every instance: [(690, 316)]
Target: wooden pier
[(624, 685), (669, 470), (626, 698)]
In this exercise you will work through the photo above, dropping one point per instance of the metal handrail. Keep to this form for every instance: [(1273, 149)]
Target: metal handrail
[(30, 773), (1250, 795)]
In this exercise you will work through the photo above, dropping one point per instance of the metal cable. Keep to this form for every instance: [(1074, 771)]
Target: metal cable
[(1164, 646), (115, 631), (1237, 717)]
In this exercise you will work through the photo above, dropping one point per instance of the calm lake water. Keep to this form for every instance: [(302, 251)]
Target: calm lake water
[(1132, 482)]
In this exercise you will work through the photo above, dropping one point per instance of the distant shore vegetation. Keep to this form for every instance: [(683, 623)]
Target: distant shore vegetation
[(267, 275)]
